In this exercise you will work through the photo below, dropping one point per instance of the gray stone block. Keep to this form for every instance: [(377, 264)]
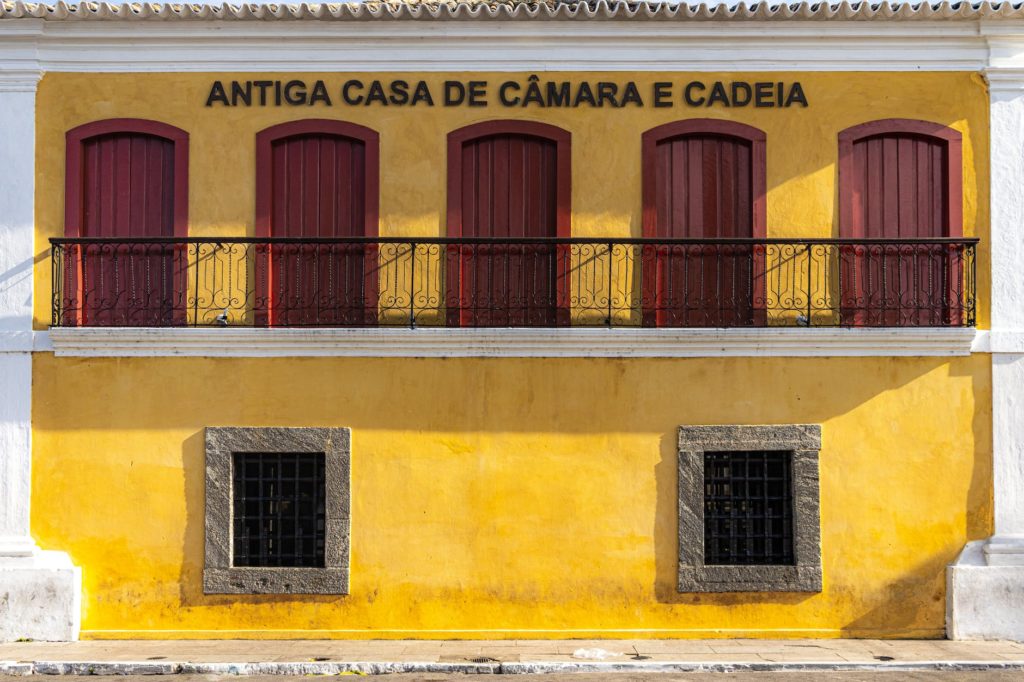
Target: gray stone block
[(220, 576), (803, 441)]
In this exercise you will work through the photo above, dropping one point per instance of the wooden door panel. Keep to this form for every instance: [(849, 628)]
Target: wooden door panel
[(507, 184), (702, 180), (318, 181), (508, 285), (127, 190), (899, 180)]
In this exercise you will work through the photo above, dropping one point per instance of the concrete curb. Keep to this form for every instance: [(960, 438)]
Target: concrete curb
[(520, 668)]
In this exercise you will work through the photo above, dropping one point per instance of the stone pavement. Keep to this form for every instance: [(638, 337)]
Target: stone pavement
[(307, 657)]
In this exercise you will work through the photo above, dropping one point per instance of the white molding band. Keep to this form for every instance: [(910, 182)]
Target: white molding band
[(309, 46), (461, 37), (104, 44), (579, 342)]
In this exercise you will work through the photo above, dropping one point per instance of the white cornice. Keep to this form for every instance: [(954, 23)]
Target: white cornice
[(220, 45), (536, 11), (19, 80), (484, 343), (503, 47), (1006, 79), (453, 37)]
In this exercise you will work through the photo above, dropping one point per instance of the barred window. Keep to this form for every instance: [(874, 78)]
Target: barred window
[(279, 509), (748, 508)]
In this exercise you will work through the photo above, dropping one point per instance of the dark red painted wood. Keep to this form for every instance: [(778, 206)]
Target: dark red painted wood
[(318, 178), (127, 178), (703, 179), (508, 179), (900, 179)]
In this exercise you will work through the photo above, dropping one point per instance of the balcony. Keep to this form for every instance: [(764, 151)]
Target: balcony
[(436, 282)]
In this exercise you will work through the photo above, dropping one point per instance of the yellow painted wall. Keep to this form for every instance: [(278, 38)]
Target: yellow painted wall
[(801, 147), (511, 498)]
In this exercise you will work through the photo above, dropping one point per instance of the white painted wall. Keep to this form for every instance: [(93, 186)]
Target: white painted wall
[(985, 586), (17, 154), (1008, 445), (17, 167), (1007, 202), (40, 591), (15, 453)]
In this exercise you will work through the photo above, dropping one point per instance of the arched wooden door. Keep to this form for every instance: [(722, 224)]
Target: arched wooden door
[(126, 178), (509, 184), (703, 179), (317, 180), (899, 181)]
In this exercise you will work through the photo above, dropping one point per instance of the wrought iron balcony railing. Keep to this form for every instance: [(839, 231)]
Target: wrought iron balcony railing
[(513, 282)]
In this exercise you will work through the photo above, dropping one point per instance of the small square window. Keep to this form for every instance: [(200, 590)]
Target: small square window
[(279, 521), (748, 508), (277, 510)]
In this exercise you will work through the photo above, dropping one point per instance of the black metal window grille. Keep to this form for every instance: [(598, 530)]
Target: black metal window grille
[(279, 509), (748, 508)]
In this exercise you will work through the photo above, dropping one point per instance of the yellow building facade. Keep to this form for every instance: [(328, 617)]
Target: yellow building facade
[(516, 479)]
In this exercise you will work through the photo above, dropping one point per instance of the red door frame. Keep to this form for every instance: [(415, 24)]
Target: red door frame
[(264, 200), (73, 195), (853, 229), (563, 204), (649, 183)]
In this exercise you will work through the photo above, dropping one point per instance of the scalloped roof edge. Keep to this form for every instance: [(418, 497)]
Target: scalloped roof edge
[(516, 10)]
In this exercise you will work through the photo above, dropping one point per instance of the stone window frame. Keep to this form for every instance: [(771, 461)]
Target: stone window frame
[(803, 441), (220, 576)]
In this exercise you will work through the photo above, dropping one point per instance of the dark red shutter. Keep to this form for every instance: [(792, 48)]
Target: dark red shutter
[(124, 184), (899, 187), (509, 187), (319, 187), (704, 188), (128, 186), (702, 180), (897, 180), (316, 184)]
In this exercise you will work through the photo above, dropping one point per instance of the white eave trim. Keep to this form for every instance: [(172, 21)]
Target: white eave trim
[(433, 342), (498, 10), (339, 47)]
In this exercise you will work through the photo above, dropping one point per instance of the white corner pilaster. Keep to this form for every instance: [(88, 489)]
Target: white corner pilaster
[(40, 591), (985, 595)]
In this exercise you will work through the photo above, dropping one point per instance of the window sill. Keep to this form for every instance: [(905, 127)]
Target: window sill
[(518, 342)]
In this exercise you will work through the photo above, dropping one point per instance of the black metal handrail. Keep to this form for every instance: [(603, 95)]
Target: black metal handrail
[(389, 281), (64, 241)]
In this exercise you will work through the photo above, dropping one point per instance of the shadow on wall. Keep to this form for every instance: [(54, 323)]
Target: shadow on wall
[(910, 602)]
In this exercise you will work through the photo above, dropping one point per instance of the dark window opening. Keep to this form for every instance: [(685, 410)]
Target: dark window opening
[(279, 509), (748, 508)]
